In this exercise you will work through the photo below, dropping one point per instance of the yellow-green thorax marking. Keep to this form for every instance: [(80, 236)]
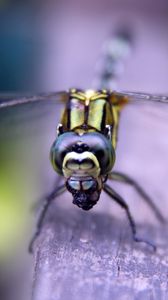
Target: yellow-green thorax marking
[(92, 111)]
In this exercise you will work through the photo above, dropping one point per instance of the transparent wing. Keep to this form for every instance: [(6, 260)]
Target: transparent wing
[(26, 135), (142, 152), (137, 96), (148, 104), (27, 131), (10, 100), (15, 100)]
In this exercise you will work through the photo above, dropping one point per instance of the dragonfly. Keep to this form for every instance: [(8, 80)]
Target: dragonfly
[(84, 150)]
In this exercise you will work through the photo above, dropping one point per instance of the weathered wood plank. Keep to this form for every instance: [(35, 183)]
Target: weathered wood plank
[(92, 255)]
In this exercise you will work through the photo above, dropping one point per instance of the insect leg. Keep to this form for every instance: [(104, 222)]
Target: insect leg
[(48, 200), (124, 205), (117, 176)]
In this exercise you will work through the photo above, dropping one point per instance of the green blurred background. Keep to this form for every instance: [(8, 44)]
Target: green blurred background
[(20, 57)]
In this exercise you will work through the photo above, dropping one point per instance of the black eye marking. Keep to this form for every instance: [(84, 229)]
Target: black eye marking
[(80, 147)]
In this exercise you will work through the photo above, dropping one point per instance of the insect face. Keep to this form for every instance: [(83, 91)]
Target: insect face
[(84, 161)]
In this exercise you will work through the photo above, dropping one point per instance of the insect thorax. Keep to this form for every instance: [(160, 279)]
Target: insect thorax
[(88, 110)]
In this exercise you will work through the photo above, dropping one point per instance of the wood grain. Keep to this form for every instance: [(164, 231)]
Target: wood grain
[(92, 255)]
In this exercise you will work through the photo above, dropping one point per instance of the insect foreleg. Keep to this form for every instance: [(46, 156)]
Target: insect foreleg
[(48, 200), (117, 176), (117, 198)]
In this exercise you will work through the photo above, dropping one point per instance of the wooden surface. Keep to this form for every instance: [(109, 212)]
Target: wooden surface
[(92, 256)]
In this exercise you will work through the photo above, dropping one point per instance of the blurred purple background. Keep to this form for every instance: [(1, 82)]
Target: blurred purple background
[(54, 45)]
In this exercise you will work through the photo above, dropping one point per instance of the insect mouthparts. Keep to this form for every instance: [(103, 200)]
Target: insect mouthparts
[(85, 200)]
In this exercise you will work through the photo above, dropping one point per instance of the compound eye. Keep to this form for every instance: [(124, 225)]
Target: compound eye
[(102, 148), (61, 146)]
